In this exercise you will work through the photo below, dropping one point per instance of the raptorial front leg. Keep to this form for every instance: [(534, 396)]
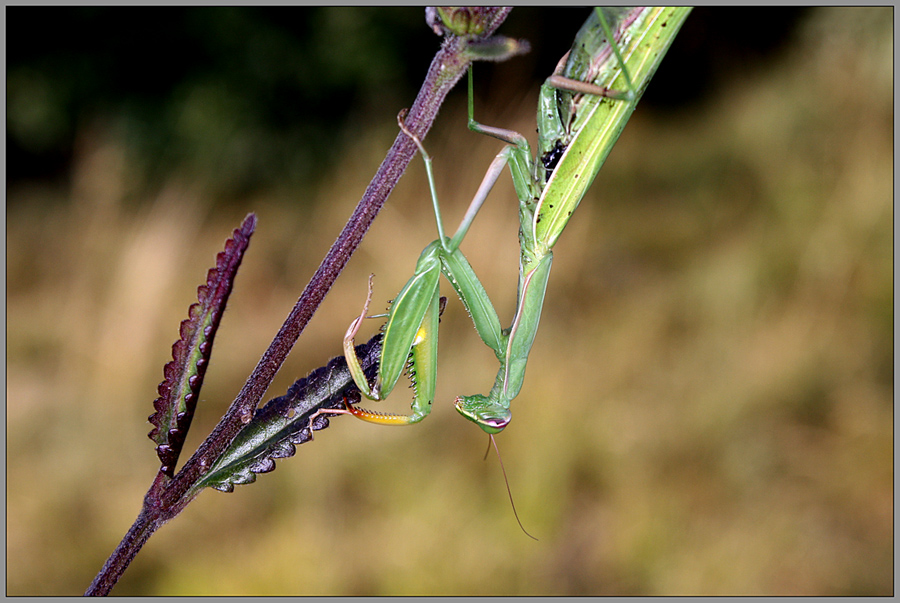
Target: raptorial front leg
[(356, 370)]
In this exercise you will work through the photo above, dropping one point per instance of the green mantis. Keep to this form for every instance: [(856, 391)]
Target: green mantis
[(580, 117)]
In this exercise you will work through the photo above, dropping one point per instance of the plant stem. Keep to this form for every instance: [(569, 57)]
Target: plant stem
[(140, 531)]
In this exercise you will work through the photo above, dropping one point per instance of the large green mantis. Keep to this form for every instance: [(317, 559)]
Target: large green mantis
[(580, 117)]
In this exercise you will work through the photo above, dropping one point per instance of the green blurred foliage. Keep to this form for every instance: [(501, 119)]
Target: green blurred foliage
[(709, 403), (239, 96)]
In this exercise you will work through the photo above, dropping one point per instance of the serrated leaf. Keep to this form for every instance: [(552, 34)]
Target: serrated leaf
[(284, 422), (184, 374)]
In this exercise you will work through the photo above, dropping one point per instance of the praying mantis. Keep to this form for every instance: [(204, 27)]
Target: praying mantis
[(581, 113)]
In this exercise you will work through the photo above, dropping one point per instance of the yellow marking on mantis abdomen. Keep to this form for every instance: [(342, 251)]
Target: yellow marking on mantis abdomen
[(421, 334)]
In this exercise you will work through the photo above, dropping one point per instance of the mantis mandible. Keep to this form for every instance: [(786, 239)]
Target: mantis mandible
[(580, 116)]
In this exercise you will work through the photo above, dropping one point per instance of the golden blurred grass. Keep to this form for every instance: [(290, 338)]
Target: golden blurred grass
[(708, 407)]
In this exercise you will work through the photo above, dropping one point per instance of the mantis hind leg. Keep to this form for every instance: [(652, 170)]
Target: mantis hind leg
[(451, 245), (508, 136), (517, 156)]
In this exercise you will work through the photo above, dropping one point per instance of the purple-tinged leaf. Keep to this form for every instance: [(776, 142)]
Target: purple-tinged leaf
[(285, 421), (190, 354)]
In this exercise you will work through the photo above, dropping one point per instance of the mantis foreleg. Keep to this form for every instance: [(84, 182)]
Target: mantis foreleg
[(410, 333)]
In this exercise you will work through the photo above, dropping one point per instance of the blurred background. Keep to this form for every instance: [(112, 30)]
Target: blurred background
[(708, 406)]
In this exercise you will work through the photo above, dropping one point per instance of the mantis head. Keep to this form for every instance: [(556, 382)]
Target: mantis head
[(486, 412)]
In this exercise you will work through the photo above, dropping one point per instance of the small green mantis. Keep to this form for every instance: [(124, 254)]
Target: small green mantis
[(580, 117)]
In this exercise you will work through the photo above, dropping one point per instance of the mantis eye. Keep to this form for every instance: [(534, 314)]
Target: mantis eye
[(494, 425)]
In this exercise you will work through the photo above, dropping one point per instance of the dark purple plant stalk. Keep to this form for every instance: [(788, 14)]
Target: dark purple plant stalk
[(467, 37)]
